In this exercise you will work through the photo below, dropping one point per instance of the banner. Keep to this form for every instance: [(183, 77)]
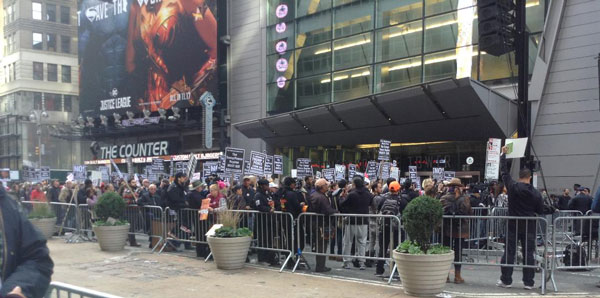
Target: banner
[(234, 160), (277, 164), (384, 150), (340, 172), (492, 159)]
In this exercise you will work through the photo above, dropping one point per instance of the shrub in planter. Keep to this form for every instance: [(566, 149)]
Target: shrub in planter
[(230, 243), (110, 229), (423, 267), (43, 218)]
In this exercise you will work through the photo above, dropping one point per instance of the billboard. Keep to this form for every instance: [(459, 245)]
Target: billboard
[(146, 54)]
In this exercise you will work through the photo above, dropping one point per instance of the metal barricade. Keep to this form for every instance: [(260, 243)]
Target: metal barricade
[(315, 231), (59, 289), (579, 248), (146, 221), (511, 240), (67, 213), (86, 218), (184, 226), (478, 231)]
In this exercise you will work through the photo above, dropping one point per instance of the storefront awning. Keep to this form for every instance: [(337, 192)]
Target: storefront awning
[(447, 110)]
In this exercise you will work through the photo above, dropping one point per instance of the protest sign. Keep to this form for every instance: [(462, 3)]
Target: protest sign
[(234, 160), (384, 150), (492, 159), (278, 164)]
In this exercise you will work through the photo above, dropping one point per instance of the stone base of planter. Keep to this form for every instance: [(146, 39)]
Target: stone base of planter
[(423, 275), (229, 253), (112, 238), (46, 225)]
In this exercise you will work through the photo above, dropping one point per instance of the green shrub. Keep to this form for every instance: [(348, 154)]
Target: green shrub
[(228, 232), (412, 248), (421, 217), (110, 205), (41, 211)]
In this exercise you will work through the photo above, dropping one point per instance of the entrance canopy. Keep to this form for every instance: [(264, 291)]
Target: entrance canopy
[(446, 110)]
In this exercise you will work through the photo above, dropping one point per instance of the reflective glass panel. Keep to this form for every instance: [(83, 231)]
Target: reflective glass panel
[(313, 91), (352, 83), (399, 41)]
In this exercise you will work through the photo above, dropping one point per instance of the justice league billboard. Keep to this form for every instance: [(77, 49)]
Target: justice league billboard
[(146, 54)]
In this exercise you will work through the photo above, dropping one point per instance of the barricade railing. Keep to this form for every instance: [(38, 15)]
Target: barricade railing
[(59, 289), (507, 236), (315, 231), (578, 248), (60, 212), (146, 221), (184, 226)]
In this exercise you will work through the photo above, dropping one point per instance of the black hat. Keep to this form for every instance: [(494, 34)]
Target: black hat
[(179, 175), (88, 182), (263, 182)]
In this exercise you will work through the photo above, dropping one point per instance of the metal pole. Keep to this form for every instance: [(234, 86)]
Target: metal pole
[(39, 137), (522, 59)]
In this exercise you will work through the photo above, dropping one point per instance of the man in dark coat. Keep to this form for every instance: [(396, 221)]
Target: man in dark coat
[(563, 201), (148, 199), (523, 200), (54, 191), (321, 205), (358, 202), (248, 191), (24, 256), (176, 202), (263, 202)]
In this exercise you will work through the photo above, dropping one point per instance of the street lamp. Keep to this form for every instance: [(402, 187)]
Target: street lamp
[(36, 116)]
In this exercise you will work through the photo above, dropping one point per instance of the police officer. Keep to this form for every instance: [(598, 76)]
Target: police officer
[(263, 202)]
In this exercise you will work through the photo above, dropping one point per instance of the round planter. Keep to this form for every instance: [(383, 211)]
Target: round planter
[(423, 275), (112, 238), (229, 253), (47, 226)]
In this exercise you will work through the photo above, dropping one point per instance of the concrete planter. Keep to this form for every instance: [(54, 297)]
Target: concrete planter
[(229, 253), (112, 238), (423, 275), (47, 226)]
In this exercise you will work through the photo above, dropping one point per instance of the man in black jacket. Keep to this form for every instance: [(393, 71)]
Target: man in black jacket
[(263, 202), (563, 201), (358, 201), (320, 204), (248, 191), (24, 257), (150, 198), (54, 191), (176, 202), (523, 200)]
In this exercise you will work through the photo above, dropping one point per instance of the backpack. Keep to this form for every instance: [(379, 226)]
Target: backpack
[(391, 206), (574, 255), (453, 206)]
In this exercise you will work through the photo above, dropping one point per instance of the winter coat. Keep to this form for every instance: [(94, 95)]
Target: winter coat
[(290, 202), (26, 259), (563, 202), (195, 198), (261, 201), (176, 196), (596, 202), (581, 202), (148, 199), (358, 201), (457, 228), (65, 195), (523, 199), (248, 194), (53, 194), (38, 196)]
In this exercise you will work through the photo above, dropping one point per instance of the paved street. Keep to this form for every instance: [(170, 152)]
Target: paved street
[(137, 273)]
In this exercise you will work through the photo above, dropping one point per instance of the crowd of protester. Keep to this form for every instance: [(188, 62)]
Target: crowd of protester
[(359, 237)]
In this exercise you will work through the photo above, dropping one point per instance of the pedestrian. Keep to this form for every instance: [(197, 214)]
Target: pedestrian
[(455, 231), (150, 198), (337, 196), (582, 202), (408, 189), (358, 201), (54, 191), (144, 188), (248, 191), (377, 192), (236, 200), (195, 197), (176, 202), (563, 201), (24, 256), (37, 195), (392, 203), (308, 185), (321, 205), (217, 199), (263, 202), (523, 200)]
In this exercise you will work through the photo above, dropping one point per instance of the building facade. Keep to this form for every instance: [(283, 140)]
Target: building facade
[(326, 80), (38, 83)]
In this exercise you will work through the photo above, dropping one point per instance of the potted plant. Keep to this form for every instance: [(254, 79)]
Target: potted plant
[(43, 218), (110, 229), (230, 243), (423, 267)]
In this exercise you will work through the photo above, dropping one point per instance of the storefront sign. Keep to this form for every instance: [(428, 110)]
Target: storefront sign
[(234, 160), (384, 150), (135, 150), (277, 164), (492, 159)]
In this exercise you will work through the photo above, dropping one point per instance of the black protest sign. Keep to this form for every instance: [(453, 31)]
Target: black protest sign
[(385, 170), (257, 163), (79, 173), (234, 160), (303, 168), (340, 172), (371, 171), (384, 150), (191, 165), (438, 174), (269, 165), (130, 166), (278, 164), (44, 173), (351, 171), (221, 164), (209, 168), (448, 175), (329, 174)]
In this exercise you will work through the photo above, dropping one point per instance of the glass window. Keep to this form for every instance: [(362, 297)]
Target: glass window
[(280, 100), (280, 66), (440, 6), (306, 7), (314, 29), (36, 10), (65, 15), (38, 41), (279, 33), (313, 91), (52, 72), (353, 51), (280, 11), (65, 44), (37, 101), (444, 64), (399, 41), (398, 74), (443, 32), (351, 84), (52, 102), (51, 42), (353, 17), (65, 73), (393, 12), (313, 60), (67, 103), (495, 68), (38, 71), (50, 12)]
